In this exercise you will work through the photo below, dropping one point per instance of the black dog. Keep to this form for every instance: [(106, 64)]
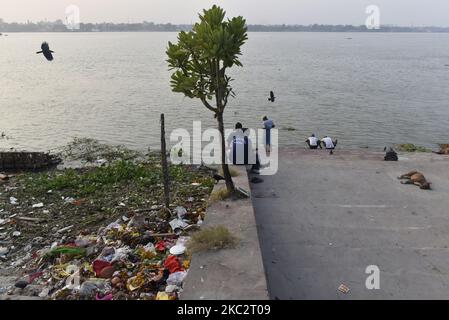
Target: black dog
[(391, 155)]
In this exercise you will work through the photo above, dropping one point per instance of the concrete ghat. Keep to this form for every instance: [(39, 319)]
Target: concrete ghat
[(231, 274), (324, 218)]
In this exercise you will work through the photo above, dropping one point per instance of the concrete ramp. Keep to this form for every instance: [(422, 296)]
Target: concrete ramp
[(323, 219)]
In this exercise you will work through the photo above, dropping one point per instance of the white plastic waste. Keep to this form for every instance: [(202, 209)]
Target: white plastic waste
[(3, 251), (180, 212), (178, 224), (177, 250), (150, 247), (176, 278)]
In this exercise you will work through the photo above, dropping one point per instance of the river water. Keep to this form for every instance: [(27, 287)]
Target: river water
[(367, 90)]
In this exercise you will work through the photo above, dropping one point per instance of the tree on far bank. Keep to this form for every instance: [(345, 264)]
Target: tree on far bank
[(200, 60)]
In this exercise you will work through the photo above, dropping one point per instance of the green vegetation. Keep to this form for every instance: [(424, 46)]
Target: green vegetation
[(90, 150), (86, 182), (214, 238), (219, 195), (92, 196), (200, 60), (410, 147)]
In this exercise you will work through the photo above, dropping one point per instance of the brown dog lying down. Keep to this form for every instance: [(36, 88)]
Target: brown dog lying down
[(416, 178), (444, 149)]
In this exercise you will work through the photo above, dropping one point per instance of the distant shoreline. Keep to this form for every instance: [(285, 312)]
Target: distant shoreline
[(59, 26), (5, 33)]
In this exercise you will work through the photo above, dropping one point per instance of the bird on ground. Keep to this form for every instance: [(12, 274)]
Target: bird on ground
[(272, 97), (46, 51), (217, 178)]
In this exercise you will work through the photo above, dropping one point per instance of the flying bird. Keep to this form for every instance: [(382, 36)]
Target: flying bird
[(46, 51), (272, 97)]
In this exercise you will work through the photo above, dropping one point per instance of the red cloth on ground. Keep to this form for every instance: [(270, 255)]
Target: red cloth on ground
[(173, 265)]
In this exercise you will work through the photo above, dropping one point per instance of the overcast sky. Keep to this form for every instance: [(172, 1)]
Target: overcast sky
[(399, 12)]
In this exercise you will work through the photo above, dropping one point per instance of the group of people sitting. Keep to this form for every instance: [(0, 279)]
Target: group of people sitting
[(241, 148), (314, 143)]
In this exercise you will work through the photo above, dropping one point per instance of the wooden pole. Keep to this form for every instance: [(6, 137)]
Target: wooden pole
[(165, 164)]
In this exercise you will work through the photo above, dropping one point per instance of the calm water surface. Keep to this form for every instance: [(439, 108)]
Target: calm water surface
[(371, 90)]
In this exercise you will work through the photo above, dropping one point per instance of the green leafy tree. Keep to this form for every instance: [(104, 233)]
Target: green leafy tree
[(200, 60)]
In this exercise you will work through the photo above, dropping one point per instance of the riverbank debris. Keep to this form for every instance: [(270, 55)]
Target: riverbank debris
[(11, 161), (112, 241), (344, 289)]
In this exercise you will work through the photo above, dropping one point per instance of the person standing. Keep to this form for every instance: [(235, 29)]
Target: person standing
[(268, 124)]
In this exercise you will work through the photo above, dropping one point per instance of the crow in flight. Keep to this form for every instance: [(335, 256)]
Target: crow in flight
[(46, 51)]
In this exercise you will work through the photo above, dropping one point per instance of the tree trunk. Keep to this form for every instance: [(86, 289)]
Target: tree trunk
[(224, 165)]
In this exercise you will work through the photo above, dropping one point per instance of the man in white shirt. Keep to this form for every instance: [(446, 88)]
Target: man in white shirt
[(240, 146), (329, 144), (313, 142)]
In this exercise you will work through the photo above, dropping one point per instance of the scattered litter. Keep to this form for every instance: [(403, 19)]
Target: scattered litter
[(65, 229), (180, 212), (177, 278), (177, 250), (101, 162), (38, 205), (343, 288), (3, 251), (105, 240), (68, 199), (243, 192), (177, 224), (27, 219), (171, 288)]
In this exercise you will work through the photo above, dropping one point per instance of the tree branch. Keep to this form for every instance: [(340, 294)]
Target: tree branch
[(208, 106)]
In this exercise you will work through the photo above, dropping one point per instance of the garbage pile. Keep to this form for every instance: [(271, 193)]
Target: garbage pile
[(135, 257), (97, 229)]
